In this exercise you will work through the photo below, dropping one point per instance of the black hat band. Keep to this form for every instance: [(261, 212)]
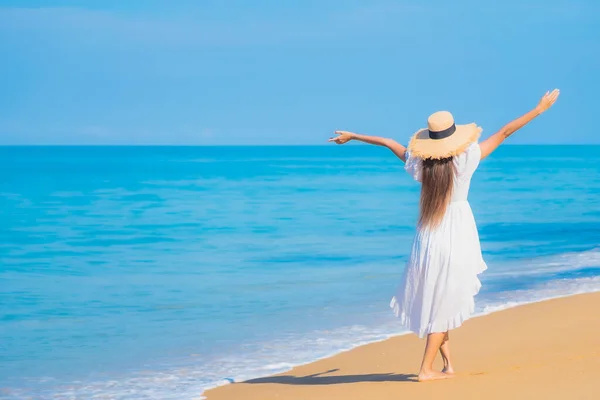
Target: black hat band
[(442, 134)]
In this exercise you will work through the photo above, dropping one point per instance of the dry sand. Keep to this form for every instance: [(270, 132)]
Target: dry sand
[(546, 350)]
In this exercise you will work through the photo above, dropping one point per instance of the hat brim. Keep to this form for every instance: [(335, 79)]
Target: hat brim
[(422, 146)]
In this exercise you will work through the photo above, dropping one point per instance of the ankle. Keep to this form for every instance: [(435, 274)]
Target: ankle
[(426, 371)]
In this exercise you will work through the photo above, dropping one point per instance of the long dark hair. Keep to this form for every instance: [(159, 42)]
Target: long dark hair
[(436, 190)]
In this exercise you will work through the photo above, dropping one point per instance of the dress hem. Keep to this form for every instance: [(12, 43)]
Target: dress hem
[(441, 326)]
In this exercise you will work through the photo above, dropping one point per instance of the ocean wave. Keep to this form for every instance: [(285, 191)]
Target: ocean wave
[(550, 264)]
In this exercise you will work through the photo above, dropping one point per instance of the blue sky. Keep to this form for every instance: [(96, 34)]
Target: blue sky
[(276, 72)]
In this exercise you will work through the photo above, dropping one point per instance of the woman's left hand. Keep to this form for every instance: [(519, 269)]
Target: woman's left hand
[(547, 101), (343, 137)]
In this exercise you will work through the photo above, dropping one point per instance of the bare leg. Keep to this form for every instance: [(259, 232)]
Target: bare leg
[(445, 352), (434, 341)]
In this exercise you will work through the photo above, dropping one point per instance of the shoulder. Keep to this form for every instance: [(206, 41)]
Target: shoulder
[(468, 160), (473, 151), (413, 166), (471, 148)]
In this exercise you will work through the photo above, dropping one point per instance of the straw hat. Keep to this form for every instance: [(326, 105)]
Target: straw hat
[(442, 138)]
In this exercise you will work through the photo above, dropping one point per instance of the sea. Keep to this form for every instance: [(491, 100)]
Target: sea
[(159, 272)]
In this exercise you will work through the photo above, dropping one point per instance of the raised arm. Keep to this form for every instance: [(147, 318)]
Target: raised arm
[(492, 143), (395, 147)]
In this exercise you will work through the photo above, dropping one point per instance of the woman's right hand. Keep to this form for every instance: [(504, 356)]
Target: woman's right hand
[(343, 137), (547, 100)]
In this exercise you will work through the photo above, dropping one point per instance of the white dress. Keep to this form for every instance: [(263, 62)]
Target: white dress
[(440, 280)]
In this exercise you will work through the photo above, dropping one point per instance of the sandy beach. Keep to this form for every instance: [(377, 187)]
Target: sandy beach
[(546, 350)]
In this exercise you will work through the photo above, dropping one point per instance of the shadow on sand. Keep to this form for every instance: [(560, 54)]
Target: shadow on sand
[(318, 379)]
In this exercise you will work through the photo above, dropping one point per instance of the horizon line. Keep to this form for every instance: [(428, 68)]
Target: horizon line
[(253, 145)]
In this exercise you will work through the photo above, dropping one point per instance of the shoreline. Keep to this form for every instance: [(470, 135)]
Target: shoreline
[(285, 384), (290, 366)]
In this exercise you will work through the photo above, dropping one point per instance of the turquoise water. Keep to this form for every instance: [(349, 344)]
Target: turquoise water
[(156, 272)]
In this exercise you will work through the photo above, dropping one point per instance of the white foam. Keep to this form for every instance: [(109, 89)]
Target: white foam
[(545, 291), (277, 366), (550, 264)]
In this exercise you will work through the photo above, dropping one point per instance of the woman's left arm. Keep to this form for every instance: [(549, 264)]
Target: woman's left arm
[(490, 144), (395, 147)]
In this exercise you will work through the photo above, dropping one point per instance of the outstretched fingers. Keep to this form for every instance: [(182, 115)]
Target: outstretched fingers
[(548, 99), (554, 95), (343, 137), (334, 139)]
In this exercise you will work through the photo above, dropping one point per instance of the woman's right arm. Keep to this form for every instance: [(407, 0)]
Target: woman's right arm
[(344, 137), (492, 143)]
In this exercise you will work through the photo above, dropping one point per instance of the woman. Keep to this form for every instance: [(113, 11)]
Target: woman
[(440, 279)]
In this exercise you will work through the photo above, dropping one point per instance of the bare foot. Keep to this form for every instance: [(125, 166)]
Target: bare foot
[(431, 376), (448, 370)]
